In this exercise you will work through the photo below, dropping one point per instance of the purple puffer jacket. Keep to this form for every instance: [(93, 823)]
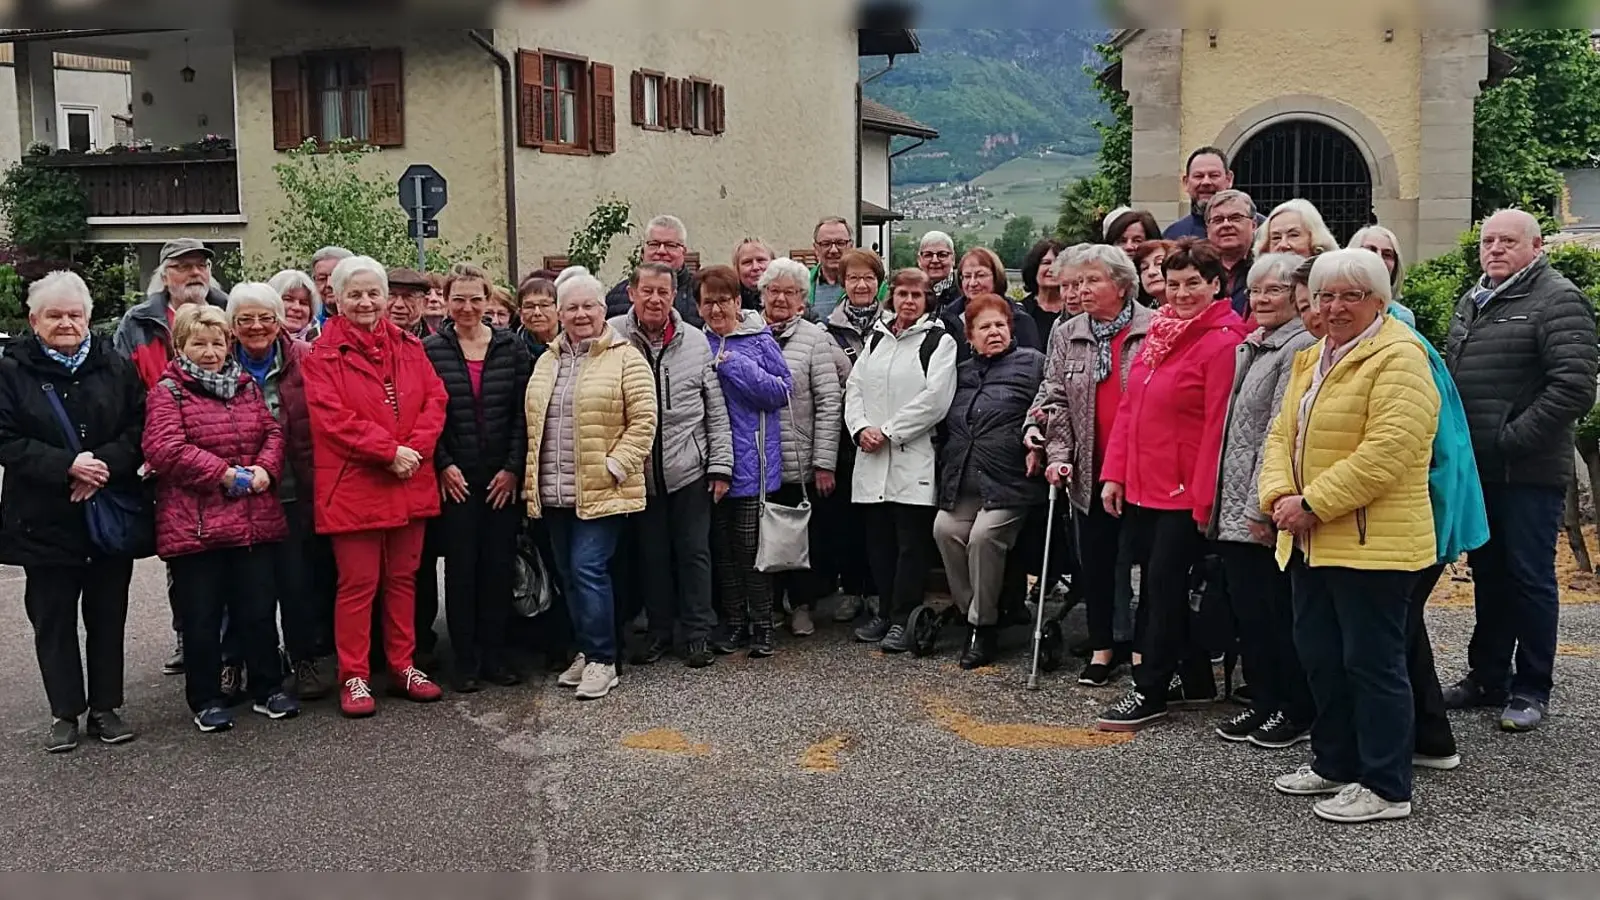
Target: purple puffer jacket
[(755, 383)]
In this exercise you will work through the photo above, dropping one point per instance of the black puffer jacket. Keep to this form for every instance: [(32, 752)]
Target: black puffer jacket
[(39, 523), (502, 444), (983, 431), (1525, 366)]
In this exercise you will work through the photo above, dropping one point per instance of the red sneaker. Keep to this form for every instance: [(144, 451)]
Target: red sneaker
[(355, 699), (415, 686)]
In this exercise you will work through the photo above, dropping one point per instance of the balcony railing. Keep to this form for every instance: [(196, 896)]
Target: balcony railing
[(172, 183)]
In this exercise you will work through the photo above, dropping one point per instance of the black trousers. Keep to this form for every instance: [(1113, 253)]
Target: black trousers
[(305, 605), (480, 550), (1099, 545), (239, 583), (1167, 546), (1262, 600), (427, 590), (900, 549), (840, 555), (671, 549), (1434, 737), (804, 588), (52, 595)]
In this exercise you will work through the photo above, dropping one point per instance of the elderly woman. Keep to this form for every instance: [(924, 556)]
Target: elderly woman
[(810, 422), (1344, 476), (502, 309), (1044, 302), (840, 525), (480, 458), (377, 408), (536, 316), (755, 388), (985, 492), (1380, 240), (1295, 226), (899, 391), (1160, 477), (219, 450), (750, 260), (267, 353), (1152, 281), (981, 272), (1065, 274), (1130, 229), (1281, 709), (49, 477), (595, 386), (1073, 417), (302, 305), (936, 257)]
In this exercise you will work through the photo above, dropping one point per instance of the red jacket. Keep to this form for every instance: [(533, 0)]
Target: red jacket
[(192, 439), (1168, 437), (355, 433)]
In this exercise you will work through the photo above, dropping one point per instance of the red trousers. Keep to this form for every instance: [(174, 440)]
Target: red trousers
[(367, 560)]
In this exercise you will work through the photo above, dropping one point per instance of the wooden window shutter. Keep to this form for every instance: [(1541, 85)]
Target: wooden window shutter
[(530, 99), (288, 116), (556, 263), (674, 105), (686, 88), (719, 109), (691, 261), (636, 92), (603, 94), (386, 98)]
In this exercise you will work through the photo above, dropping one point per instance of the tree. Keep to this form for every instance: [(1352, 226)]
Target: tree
[(902, 252), (1085, 202), (591, 244), (45, 208), (1015, 241)]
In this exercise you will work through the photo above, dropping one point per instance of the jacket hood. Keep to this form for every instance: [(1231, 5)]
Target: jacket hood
[(627, 326), (1077, 328), (607, 339), (751, 323), (1284, 333), (928, 320)]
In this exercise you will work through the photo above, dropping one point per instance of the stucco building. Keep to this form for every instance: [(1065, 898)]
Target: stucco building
[(1371, 124), (880, 125)]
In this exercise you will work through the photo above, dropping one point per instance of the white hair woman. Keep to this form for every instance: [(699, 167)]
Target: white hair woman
[(377, 408), (302, 304), (591, 417), (1380, 240), (323, 263), (1295, 226), (936, 257), (1344, 476), (51, 470)]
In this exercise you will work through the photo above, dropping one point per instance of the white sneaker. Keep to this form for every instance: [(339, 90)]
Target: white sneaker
[(1303, 782), (1356, 804), (598, 680), (1441, 763), (573, 676), (800, 623)]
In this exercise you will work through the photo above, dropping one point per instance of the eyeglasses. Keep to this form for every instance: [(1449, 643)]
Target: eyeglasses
[(832, 245), (728, 300), (867, 278), (778, 293), (663, 245), (1229, 219), (542, 305), (1275, 291), (254, 321), (180, 266), (935, 254), (1346, 297)]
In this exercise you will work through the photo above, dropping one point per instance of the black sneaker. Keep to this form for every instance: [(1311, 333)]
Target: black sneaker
[(1240, 725), (1131, 713), (898, 640), (761, 642), (876, 629), (109, 727), (502, 676), (174, 663), (698, 655), (1278, 733), (650, 653), (1181, 696), (733, 638), (1096, 674), (63, 736), (1468, 694), (466, 684)]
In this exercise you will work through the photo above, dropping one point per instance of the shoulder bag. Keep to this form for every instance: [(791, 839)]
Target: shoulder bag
[(121, 522), (783, 544)]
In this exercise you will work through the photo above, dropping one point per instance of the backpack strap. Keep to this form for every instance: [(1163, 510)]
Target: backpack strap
[(173, 389), (930, 345)]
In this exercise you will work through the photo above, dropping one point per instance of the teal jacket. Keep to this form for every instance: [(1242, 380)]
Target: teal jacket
[(1460, 522)]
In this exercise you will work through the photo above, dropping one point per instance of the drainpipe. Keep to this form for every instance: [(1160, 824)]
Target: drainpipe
[(508, 127)]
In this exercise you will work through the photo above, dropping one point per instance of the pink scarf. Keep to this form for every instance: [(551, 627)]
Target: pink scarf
[(1166, 329)]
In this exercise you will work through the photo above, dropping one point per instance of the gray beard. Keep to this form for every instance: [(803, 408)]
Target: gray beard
[(183, 296)]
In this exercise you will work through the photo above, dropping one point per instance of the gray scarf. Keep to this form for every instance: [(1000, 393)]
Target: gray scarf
[(1103, 333), (862, 318), (223, 385)]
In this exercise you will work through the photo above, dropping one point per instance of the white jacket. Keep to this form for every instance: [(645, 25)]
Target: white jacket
[(888, 389)]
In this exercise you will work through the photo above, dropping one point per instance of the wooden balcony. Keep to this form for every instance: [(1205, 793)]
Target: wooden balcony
[(176, 183)]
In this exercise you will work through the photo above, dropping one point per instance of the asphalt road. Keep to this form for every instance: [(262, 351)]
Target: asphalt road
[(828, 756)]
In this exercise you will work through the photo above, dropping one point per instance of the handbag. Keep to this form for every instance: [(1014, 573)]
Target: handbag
[(121, 522), (535, 591), (784, 542)]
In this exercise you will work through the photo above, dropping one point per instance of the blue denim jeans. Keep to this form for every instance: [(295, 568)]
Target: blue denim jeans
[(1514, 590), (1350, 629), (583, 550)]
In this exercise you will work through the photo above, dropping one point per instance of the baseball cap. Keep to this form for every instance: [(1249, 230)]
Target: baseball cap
[(178, 247), (408, 278)]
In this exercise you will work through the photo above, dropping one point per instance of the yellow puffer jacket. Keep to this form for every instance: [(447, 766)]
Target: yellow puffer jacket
[(616, 418), (1364, 464)]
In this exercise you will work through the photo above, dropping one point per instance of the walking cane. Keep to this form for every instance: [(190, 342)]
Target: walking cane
[(1044, 587)]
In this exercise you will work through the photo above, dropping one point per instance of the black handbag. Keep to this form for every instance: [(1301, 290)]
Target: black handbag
[(122, 523)]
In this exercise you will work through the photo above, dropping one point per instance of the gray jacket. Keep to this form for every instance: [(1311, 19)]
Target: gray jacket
[(692, 439), (1261, 368), (814, 418)]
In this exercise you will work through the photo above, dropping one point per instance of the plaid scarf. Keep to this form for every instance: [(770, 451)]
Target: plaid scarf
[(223, 385), (1103, 333), (861, 318), (70, 362)]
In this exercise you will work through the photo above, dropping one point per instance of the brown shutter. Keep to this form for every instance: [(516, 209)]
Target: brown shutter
[(674, 105), (603, 96), (386, 98), (719, 109), (530, 99), (686, 87), (288, 117), (636, 92)]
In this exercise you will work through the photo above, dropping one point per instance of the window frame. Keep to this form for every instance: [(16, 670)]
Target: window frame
[(581, 143), (64, 114), (660, 93), (313, 94), (695, 124)]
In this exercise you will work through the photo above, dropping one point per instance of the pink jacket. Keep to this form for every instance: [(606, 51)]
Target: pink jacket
[(192, 439)]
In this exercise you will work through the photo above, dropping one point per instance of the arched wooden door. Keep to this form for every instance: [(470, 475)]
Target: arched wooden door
[(1313, 161)]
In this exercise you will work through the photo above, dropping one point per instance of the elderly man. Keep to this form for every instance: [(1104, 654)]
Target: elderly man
[(1231, 228), (1204, 176), (666, 242), (408, 290), (830, 239), (322, 264), (1522, 351), (936, 257), (690, 468)]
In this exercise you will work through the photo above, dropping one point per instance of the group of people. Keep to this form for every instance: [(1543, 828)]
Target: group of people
[(1240, 409)]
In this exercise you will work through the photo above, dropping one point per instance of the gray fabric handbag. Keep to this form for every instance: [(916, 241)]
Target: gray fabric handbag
[(783, 544)]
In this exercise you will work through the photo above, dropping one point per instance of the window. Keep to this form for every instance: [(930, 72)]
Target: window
[(80, 128), (353, 94), (650, 105), (566, 104), (700, 119), (563, 90)]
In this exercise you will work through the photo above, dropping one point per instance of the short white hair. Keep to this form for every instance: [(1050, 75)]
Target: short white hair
[(1068, 259), (1279, 267), (289, 279), (576, 283), (350, 267), (1358, 239), (1358, 268), (1530, 225), (1124, 274), (57, 285), (1322, 240), (672, 222), (936, 239), (254, 293), (338, 253), (784, 267)]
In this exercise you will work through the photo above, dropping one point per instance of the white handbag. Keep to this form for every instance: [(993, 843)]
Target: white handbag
[(784, 544)]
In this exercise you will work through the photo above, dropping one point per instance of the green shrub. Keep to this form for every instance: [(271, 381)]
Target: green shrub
[(1431, 290)]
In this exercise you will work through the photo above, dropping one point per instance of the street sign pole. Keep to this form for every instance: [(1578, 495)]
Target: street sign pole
[(420, 217), (423, 192)]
